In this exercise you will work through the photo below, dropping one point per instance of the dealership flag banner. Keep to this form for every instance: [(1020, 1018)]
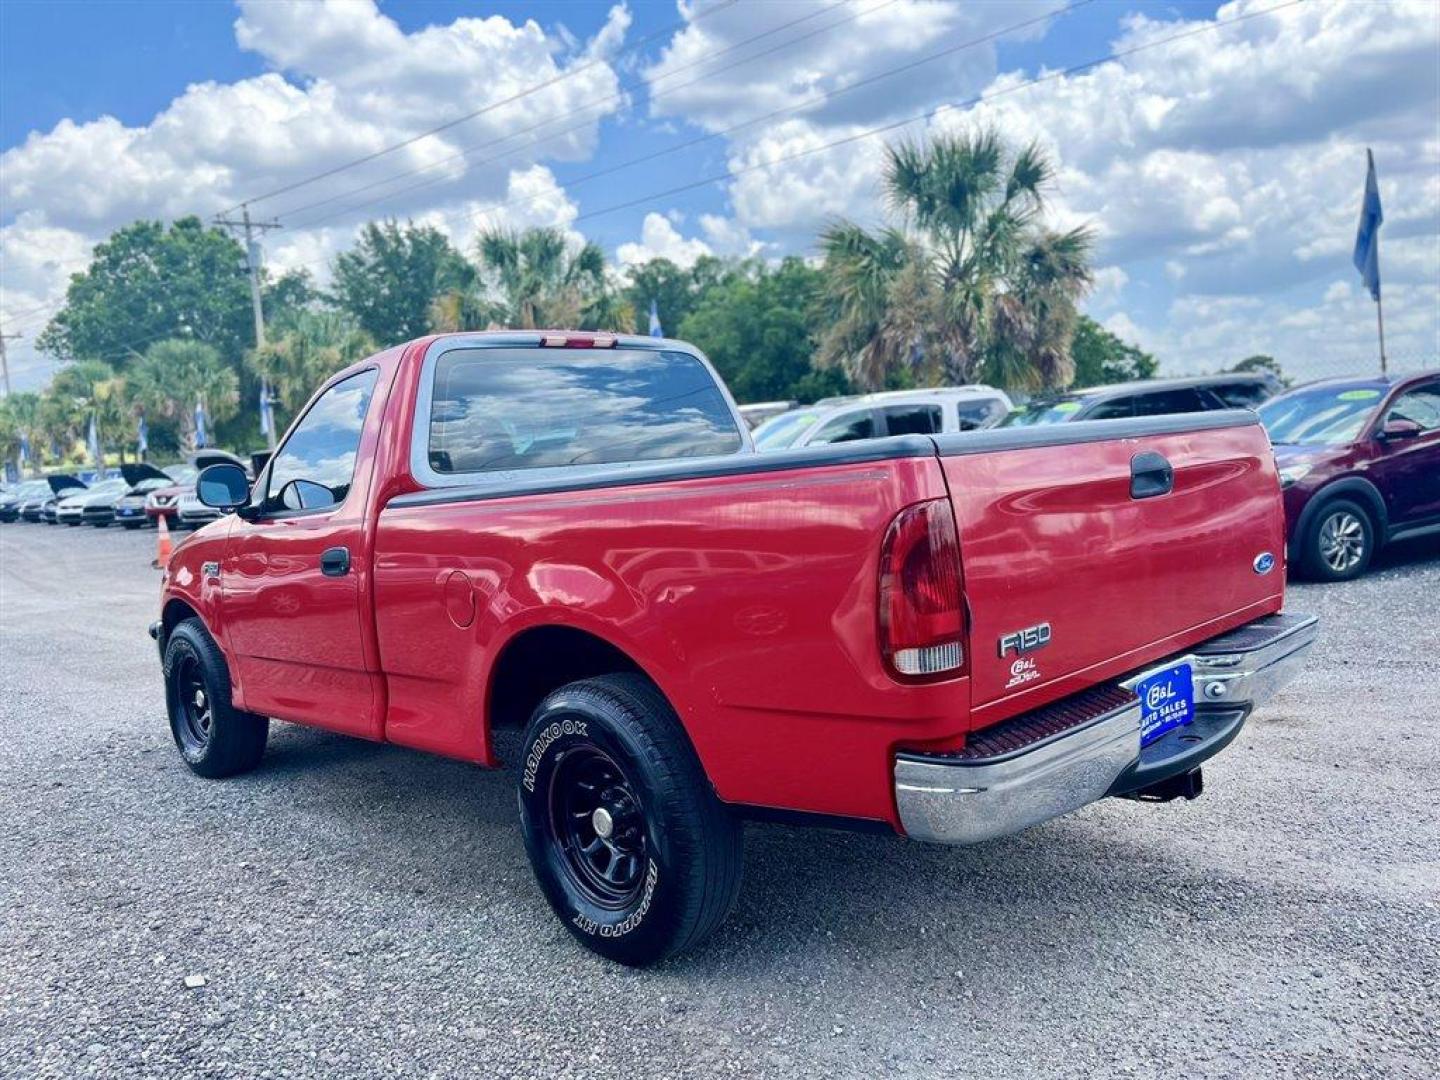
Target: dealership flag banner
[(142, 439), (93, 440), (199, 425), (655, 330), (1367, 246), (267, 412)]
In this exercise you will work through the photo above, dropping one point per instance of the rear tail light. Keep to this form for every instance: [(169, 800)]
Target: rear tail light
[(922, 624)]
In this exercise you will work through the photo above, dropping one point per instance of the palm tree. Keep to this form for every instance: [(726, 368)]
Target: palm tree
[(969, 281), (83, 391), (308, 347), (537, 279), (21, 419), (176, 374)]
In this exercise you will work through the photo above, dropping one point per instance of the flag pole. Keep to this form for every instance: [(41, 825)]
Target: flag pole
[(1380, 325)]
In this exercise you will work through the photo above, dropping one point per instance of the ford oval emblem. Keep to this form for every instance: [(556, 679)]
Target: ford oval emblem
[(1264, 562)]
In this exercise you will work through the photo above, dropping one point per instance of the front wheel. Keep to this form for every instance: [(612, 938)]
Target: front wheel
[(215, 738), (631, 847), (1340, 542)]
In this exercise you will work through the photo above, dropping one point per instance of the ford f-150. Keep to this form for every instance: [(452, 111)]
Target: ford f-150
[(953, 637)]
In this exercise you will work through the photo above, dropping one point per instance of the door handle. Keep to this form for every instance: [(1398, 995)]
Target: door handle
[(335, 562), (1150, 475)]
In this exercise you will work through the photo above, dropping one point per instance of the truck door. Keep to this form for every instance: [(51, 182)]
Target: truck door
[(292, 575)]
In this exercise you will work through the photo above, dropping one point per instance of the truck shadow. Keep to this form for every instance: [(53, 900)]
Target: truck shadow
[(818, 899)]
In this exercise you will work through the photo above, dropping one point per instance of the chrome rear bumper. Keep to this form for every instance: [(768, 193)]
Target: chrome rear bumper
[(965, 799)]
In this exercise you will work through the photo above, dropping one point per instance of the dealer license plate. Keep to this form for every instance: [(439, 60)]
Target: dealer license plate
[(1167, 701)]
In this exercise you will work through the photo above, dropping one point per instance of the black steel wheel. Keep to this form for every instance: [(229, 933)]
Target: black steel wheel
[(597, 822), (215, 738), (631, 847)]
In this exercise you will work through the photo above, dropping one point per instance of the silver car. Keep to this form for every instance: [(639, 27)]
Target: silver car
[(874, 416)]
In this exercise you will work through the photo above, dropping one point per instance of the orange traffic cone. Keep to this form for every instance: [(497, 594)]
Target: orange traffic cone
[(163, 546)]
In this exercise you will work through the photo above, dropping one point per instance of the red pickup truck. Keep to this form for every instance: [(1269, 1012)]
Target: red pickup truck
[(953, 637)]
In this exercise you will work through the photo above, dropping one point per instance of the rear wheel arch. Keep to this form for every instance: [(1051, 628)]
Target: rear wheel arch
[(1355, 488), (541, 659)]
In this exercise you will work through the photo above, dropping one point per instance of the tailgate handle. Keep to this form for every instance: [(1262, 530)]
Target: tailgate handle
[(335, 561), (1150, 475)]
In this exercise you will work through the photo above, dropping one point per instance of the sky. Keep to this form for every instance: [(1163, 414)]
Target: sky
[(1217, 150)]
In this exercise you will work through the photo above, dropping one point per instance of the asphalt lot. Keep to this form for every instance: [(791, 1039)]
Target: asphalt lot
[(361, 909)]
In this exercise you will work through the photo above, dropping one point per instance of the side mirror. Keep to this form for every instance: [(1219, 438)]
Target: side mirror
[(223, 486), (1400, 428)]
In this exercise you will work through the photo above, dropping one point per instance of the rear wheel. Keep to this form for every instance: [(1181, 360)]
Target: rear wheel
[(215, 738), (1340, 542), (631, 847)]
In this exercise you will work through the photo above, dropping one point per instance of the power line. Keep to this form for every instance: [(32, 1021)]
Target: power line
[(801, 107), (604, 102), (720, 5)]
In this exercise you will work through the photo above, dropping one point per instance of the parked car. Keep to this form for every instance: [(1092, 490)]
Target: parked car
[(41, 507), (1359, 467), (130, 507), (758, 412), (571, 534), (70, 510), (1150, 397), (18, 496), (101, 507), (873, 416), (165, 502)]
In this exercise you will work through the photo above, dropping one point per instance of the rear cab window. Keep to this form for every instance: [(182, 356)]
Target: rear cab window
[(912, 419), (503, 409)]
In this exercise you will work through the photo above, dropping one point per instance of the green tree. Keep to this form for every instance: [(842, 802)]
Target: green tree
[(970, 280), (176, 374), (80, 391), (675, 292), (1102, 358), (393, 274), (535, 279), (753, 325), (1262, 362), (20, 418), (150, 281), (306, 348)]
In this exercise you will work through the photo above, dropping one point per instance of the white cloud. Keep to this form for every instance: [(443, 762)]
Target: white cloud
[(659, 239), (347, 82)]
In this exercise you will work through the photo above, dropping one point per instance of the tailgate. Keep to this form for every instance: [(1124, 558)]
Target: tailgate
[(1080, 564)]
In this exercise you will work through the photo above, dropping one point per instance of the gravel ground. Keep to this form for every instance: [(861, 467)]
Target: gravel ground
[(359, 909)]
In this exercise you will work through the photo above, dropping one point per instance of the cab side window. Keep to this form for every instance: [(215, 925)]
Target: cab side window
[(314, 467), (1118, 409), (912, 419), (1168, 402), (1422, 405), (978, 414), (850, 427)]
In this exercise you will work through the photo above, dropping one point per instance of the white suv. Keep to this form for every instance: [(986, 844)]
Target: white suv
[(895, 412)]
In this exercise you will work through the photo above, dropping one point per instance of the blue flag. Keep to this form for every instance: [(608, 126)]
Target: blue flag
[(267, 414), (1367, 236), (199, 425), (93, 440), (24, 449), (142, 439), (655, 330)]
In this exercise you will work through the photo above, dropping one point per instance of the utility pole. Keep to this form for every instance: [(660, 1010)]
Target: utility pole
[(253, 230), (5, 361)]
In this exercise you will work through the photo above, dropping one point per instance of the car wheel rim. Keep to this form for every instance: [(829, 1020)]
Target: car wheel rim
[(193, 700), (1342, 541), (597, 825)]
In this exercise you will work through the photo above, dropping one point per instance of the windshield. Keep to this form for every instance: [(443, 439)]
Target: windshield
[(782, 431), (109, 487), (1042, 412), (1324, 416)]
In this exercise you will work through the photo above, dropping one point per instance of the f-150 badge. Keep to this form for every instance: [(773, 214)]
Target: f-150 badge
[(1026, 640)]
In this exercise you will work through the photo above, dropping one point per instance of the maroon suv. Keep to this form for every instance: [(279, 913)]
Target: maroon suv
[(1359, 463)]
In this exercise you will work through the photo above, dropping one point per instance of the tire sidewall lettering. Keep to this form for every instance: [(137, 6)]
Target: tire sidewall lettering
[(552, 733), (632, 921)]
